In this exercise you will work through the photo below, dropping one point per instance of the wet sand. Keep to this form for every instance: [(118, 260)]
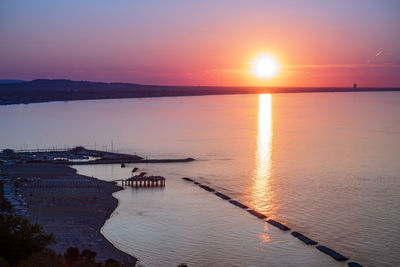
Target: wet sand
[(71, 206)]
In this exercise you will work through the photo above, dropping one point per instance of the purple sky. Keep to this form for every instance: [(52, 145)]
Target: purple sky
[(318, 43)]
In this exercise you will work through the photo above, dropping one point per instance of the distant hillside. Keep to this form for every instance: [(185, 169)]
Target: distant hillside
[(43, 90), (8, 81)]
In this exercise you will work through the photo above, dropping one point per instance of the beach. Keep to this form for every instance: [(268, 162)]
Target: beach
[(72, 207)]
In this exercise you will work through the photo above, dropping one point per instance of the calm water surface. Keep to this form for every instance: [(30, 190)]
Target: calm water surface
[(324, 164)]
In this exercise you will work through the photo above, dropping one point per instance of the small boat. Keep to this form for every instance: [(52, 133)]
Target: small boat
[(122, 165), (134, 169)]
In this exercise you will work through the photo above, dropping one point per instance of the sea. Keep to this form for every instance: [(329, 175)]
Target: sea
[(325, 164)]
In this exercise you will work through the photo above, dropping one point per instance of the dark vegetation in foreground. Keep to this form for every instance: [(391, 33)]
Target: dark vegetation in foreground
[(5, 206), (44, 90), (23, 244)]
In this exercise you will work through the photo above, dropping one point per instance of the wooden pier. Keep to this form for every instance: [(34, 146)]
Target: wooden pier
[(143, 181)]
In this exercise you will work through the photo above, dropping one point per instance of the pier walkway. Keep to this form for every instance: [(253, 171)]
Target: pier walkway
[(143, 181)]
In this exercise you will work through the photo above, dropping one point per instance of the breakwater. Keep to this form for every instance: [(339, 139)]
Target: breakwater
[(77, 156), (328, 251), (123, 161)]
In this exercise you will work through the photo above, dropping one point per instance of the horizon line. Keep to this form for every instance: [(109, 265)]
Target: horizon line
[(172, 85)]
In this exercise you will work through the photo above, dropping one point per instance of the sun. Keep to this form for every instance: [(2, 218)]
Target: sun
[(265, 67)]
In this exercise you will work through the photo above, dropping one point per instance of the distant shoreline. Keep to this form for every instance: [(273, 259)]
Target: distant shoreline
[(41, 91)]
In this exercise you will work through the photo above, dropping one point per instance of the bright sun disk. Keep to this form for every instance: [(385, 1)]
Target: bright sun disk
[(265, 66)]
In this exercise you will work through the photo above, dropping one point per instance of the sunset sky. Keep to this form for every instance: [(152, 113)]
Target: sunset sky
[(317, 43)]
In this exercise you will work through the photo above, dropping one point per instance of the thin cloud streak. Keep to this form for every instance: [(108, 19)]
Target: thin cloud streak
[(342, 66), (311, 66)]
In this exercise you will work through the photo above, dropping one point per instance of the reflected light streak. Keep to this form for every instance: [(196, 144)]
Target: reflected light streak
[(261, 193)]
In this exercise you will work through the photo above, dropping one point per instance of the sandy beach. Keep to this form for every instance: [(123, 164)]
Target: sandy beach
[(73, 207)]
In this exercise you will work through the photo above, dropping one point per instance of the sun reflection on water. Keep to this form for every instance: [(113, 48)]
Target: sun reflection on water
[(262, 193)]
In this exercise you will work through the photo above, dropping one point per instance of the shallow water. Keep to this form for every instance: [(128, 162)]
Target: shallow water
[(184, 223), (324, 164)]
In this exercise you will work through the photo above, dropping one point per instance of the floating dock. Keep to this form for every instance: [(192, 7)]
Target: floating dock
[(238, 204), (303, 238), (279, 225), (354, 264), (337, 256), (207, 188), (257, 214), (225, 197)]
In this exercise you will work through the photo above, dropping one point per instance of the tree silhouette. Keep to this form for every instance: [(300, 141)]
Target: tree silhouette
[(20, 238)]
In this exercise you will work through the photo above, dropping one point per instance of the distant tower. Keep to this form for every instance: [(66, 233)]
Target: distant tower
[(354, 86)]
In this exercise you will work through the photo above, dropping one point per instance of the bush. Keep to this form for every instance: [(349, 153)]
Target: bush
[(23, 238), (47, 257), (4, 204), (112, 263), (72, 255), (24, 245)]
